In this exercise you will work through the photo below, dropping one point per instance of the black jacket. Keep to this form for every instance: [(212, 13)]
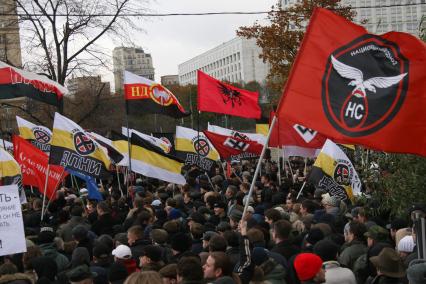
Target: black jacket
[(286, 249)]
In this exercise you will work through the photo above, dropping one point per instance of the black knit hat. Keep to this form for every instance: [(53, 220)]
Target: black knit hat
[(116, 272), (181, 242), (326, 249), (153, 252)]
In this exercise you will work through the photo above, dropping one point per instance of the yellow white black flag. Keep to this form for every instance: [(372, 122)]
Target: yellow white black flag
[(73, 148), (151, 161), (10, 173), (38, 135), (335, 173), (195, 148)]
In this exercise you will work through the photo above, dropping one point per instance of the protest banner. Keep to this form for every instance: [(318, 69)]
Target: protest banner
[(12, 236)]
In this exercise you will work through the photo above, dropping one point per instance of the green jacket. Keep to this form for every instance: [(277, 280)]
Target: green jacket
[(351, 253), (50, 250)]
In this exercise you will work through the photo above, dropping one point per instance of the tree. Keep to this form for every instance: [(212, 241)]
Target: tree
[(280, 40), (62, 35)]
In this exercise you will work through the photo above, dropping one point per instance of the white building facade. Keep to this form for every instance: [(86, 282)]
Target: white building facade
[(134, 60), (385, 15), (235, 61)]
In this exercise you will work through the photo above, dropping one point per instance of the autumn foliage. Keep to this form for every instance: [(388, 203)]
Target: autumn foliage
[(281, 39)]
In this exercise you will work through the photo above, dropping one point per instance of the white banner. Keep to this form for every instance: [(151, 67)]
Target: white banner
[(12, 236)]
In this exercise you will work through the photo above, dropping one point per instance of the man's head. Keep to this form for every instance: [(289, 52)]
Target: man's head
[(219, 208), (281, 230), (189, 269), (230, 192), (326, 249), (272, 215), (122, 252), (217, 243), (376, 234), (134, 233), (356, 231), (308, 267), (151, 254), (81, 275), (102, 208), (217, 265), (169, 273)]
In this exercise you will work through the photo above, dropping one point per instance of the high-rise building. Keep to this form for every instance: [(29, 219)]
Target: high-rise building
[(10, 45), (88, 85), (168, 80), (236, 60), (385, 15), (131, 59)]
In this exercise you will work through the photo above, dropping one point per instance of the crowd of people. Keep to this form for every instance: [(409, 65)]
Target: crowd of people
[(156, 232)]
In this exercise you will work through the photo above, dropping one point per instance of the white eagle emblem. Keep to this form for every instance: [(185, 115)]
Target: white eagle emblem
[(358, 82)]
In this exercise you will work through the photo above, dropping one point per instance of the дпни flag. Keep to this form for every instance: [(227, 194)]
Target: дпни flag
[(334, 172), (73, 148), (359, 88), (39, 136)]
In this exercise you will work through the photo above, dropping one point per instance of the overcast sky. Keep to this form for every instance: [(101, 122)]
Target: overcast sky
[(173, 40)]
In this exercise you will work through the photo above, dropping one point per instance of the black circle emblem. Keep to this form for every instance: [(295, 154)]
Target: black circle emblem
[(202, 147), (364, 85), (83, 144), (41, 136), (342, 174)]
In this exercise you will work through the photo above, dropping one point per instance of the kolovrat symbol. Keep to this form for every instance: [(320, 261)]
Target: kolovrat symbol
[(41, 136), (83, 144), (202, 147)]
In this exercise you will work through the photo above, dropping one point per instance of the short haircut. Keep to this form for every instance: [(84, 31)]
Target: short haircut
[(282, 229), (358, 230), (255, 236), (273, 214), (137, 231), (222, 261), (190, 269), (309, 205), (232, 238), (104, 206), (197, 230), (217, 243)]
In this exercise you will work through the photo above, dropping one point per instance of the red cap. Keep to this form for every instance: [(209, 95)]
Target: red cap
[(307, 265)]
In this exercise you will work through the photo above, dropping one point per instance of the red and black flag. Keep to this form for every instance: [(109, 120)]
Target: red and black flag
[(145, 96), (359, 88), (15, 83), (231, 147), (218, 97)]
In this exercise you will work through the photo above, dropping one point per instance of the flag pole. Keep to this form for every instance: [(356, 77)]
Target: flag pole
[(118, 180), (279, 165), (129, 180), (300, 191), (259, 164), (44, 192)]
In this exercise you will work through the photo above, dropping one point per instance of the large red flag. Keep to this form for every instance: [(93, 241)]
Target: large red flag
[(231, 147), (359, 88), (215, 96), (286, 133), (33, 164)]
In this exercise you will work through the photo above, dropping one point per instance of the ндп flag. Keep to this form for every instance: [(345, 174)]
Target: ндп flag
[(231, 147), (34, 164), (15, 83), (145, 96), (194, 148), (259, 138), (215, 96), (73, 148), (38, 135), (151, 161), (359, 88), (334, 172)]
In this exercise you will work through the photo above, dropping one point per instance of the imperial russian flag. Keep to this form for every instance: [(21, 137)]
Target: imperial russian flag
[(145, 96), (358, 88), (215, 96)]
